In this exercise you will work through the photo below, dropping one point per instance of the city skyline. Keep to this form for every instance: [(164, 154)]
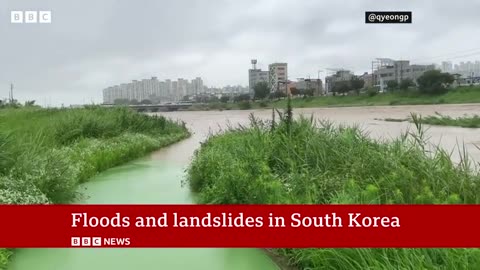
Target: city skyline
[(73, 58), (455, 67)]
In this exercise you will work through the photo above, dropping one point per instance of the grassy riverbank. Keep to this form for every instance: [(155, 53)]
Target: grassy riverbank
[(460, 95), (45, 154), (304, 163)]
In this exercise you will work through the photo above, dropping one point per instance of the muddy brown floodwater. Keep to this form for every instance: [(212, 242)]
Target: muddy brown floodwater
[(368, 118)]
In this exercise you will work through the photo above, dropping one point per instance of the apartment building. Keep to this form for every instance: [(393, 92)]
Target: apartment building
[(398, 70), (339, 76), (465, 69), (309, 84), (153, 90), (255, 76), (278, 76), (197, 86)]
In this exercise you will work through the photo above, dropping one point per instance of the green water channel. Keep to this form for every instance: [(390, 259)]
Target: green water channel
[(150, 180)]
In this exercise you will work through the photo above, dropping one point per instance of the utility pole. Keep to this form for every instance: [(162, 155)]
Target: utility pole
[(373, 77), (11, 93)]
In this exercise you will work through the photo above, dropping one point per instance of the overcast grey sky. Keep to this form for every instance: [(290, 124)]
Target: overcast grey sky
[(92, 44)]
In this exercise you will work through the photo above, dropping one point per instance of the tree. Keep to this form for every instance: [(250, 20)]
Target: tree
[(224, 99), (406, 83), (146, 101), (277, 95), (134, 102), (121, 101), (294, 91), (29, 103), (356, 84), (341, 87), (392, 85), (434, 82), (308, 92), (243, 97), (261, 90)]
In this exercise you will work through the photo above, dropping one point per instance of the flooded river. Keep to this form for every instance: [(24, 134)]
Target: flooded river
[(157, 179)]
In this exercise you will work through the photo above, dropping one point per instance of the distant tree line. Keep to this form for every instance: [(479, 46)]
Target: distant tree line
[(16, 104), (430, 82)]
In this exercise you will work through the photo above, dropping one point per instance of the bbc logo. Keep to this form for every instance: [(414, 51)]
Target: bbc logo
[(31, 17), (86, 241)]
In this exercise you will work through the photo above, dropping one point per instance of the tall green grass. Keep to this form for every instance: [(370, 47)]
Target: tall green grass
[(438, 119), (45, 154), (443, 120), (309, 162)]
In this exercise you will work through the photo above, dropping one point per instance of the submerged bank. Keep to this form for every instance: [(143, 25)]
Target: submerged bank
[(296, 162), (45, 154)]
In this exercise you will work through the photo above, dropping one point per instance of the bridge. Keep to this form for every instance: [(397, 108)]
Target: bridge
[(156, 107)]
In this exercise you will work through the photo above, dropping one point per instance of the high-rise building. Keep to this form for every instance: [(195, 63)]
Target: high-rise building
[(278, 76), (447, 66), (182, 86), (197, 86), (467, 69), (174, 93), (152, 90)]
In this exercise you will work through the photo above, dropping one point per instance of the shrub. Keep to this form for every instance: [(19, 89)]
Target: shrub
[(4, 257), (372, 92), (245, 105), (263, 104)]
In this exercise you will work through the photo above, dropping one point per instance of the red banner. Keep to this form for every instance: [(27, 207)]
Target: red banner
[(262, 226)]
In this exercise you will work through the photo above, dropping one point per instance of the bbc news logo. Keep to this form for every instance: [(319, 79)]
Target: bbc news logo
[(31, 17), (388, 17), (99, 242)]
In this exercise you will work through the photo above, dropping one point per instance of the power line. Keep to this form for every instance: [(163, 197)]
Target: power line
[(449, 54)]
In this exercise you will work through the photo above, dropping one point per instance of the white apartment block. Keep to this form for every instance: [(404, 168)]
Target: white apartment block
[(153, 90), (467, 69)]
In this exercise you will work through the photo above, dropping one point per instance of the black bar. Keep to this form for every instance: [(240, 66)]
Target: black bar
[(388, 17)]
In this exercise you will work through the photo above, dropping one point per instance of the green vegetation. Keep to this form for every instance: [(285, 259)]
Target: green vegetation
[(45, 154), (305, 162), (371, 97), (434, 82), (442, 120), (457, 96), (261, 90), (343, 87)]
